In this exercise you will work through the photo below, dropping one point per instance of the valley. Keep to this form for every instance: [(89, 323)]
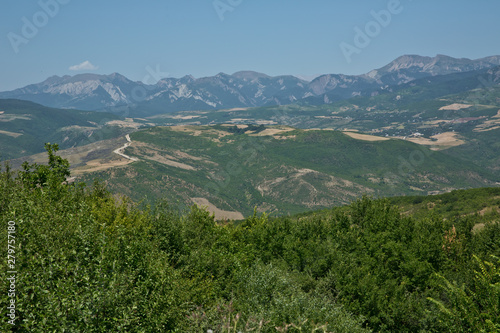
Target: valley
[(364, 199), (232, 166), (277, 169), (433, 132)]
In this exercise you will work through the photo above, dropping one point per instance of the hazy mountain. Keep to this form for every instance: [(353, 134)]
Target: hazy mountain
[(241, 89), (410, 67), (250, 75), (402, 70), (83, 91)]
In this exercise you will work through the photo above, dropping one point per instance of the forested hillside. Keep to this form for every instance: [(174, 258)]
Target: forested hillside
[(88, 261), (280, 170)]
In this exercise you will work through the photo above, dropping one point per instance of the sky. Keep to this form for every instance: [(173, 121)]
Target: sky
[(151, 39)]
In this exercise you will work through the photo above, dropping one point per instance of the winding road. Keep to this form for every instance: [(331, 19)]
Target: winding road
[(120, 150)]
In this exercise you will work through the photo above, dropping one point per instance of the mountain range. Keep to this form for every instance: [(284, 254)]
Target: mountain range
[(116, 93)]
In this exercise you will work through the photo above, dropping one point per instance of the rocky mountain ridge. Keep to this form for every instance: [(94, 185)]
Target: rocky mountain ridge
[(115, 92)]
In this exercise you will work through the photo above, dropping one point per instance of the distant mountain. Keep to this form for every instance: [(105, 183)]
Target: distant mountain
[(83, 91), (404, 70), (242, 89), (410, 67), (116, 93)]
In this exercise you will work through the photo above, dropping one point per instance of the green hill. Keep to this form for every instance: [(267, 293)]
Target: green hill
[(280, 170), (26, 126)]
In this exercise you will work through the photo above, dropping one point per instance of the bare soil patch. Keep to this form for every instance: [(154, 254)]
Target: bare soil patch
[(10, 117), (455, 107), (272, 131), (99, 165), (163, 159), (218, 213), (365, 137), (128, 123), (182, 154), (492, 124), (441, 141), (239, 119), (12, 134), (185, 117), (234, 109)]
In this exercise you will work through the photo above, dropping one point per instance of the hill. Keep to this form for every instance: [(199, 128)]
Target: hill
[(454, 118), (26, 126), (279, 169), (88, 261), (457, 114)]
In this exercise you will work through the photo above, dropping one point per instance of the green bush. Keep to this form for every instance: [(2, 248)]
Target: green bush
[(88, 261)]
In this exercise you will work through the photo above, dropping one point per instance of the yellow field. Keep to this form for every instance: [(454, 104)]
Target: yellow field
[(365, 137), (218, 213), (455, 107), (442, 141)]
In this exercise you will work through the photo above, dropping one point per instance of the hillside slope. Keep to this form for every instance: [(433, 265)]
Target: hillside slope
[(26, 126), (280, 170)]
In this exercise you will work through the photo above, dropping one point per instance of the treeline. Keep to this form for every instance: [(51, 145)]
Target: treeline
[(456, 203), (241, 130), (88, 261)]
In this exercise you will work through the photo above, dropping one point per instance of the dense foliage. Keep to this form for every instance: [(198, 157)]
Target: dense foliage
[(91, 262)]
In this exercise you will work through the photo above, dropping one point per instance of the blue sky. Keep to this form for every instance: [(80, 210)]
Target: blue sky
[(148, 39)]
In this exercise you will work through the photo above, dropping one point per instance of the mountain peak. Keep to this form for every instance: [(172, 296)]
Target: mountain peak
[(491, 59), (118, 76), (407, 61), (410, 67), (187, 79)]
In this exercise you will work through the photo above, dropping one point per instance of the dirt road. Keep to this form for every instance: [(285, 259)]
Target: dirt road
[(120, 150)]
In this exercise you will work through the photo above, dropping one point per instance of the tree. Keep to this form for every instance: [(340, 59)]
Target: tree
[(39, 175)]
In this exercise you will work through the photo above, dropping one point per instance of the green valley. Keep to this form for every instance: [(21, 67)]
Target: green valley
[(279, 169)]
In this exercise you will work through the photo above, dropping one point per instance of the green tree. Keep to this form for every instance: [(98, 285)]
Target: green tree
[(40, 175)]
